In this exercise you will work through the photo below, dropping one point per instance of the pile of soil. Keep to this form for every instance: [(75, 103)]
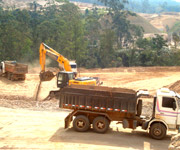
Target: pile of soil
[(131, 69), (51, 105), (175, 86)]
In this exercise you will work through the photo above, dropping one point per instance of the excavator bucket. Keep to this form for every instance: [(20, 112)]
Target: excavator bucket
[(46, 76)]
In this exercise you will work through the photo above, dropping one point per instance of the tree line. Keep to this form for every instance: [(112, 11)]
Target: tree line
[(92, 38)]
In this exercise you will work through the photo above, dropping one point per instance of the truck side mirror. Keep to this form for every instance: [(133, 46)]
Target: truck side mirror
[(174, 105)]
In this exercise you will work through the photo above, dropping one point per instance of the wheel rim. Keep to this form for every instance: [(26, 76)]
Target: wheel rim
[(80, 123), (100, 125), (157, 131)]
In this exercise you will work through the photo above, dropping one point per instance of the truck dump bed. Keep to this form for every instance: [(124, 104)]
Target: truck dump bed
[(16, 68), (96, 98)]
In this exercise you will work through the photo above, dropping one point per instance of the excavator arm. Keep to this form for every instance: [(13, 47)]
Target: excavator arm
[(46, 50), (63, 62)]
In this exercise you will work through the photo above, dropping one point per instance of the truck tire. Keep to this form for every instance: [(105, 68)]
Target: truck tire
[(100, 124), (81, 123), (139, 108), (157, 131)]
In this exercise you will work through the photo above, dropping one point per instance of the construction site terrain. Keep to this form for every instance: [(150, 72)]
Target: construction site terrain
[(29, 124)]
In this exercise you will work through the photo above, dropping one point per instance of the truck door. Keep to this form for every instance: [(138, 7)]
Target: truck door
[(178, 117), (167, 110)]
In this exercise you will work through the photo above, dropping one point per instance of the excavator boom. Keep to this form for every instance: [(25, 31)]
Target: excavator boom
[(63, 62)]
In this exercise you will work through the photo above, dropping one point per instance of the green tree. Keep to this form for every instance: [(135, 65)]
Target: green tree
[(15, 35), (126, 33), (92, 35), (152, 51), (176, 39), (74, 32), (115, 6), (158, 42), (107, 53)]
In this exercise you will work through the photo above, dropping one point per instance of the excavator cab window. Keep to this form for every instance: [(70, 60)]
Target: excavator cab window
[(71, 76), (63, 78)]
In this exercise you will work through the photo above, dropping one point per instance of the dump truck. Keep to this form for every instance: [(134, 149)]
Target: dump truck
[(99, 106), (13, 70)]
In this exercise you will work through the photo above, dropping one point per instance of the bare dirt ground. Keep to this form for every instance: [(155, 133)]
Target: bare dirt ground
[(163, 20), (27, 124)]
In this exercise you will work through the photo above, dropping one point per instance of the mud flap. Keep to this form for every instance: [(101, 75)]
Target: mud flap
[(145, 125), (134, 124), (68, 119), (125, 123)]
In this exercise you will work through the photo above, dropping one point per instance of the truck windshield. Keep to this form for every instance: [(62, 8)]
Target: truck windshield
[(60, 77), (73, 66)]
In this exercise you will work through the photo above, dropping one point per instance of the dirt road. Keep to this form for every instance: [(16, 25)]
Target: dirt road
[(25, 124), (26, 129)]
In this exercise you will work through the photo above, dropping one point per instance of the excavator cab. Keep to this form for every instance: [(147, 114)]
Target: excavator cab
[(68, 78), (63, 78)]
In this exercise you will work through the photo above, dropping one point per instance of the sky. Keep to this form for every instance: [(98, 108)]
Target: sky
[(177, 0)]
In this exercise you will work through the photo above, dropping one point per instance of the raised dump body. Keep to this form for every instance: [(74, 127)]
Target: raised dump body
[(13, 70), (119, 103)]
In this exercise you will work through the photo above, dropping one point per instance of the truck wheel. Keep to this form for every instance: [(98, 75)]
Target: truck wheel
[(100, 124), (157, 131), (81, 123), (139, 107)]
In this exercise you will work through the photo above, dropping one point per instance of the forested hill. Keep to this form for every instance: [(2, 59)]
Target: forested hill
[(98, 37), (146, 6)]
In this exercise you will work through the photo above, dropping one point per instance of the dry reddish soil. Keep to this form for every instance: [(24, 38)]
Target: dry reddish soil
[(27, 124), (162, 20)]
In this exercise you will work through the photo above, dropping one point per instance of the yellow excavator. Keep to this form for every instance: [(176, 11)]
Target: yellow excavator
[(65, 77), (69, 73)]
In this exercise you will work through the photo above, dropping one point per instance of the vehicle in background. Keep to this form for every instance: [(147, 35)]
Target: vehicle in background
[(13, 70)]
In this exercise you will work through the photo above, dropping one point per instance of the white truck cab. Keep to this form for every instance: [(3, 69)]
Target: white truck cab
[(166, 113), (73, 67), (167, 108)]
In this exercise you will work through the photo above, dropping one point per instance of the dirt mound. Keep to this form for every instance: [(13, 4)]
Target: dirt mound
[(175, 86), (141, 21), (131, 69), (163, 20), (14, 97), (51, 105)]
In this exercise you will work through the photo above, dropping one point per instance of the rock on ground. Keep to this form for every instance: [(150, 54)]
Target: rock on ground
[(175, 142)]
